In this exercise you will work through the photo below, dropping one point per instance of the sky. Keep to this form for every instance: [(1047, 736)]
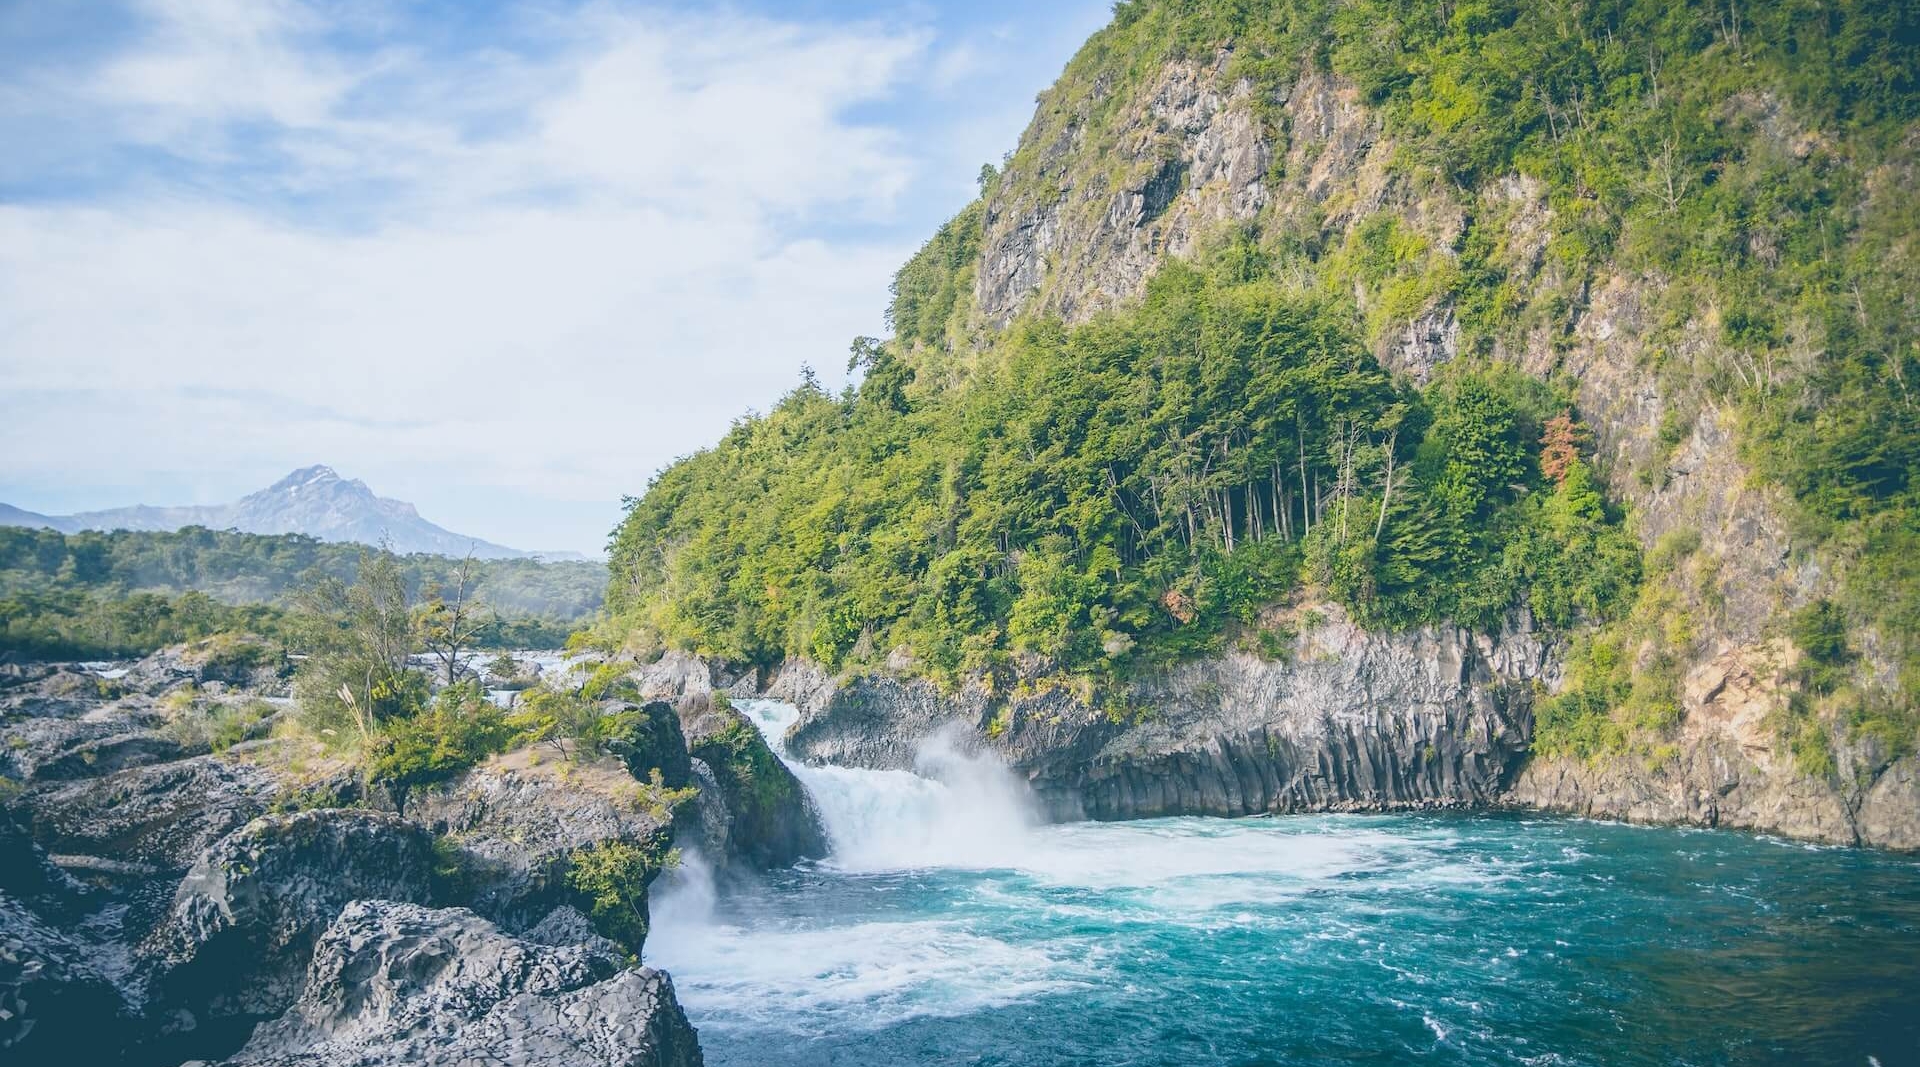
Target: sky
[(504, 261)]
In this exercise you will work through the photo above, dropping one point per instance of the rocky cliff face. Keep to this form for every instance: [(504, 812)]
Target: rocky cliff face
[(1109, 182), (1192, 157), (1350, 721)]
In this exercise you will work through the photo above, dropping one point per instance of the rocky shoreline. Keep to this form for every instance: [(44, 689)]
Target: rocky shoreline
[(166, 898)]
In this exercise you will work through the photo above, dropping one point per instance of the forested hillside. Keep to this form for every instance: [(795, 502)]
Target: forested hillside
[(108, 594), (1124, 491), (1436, 310)]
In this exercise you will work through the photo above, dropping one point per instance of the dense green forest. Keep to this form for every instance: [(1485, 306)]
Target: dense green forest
[(127, 593), (1123, 492), (1140, 487)]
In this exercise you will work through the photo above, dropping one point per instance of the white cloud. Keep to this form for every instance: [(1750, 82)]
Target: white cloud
[(558, 281), (222, 60)]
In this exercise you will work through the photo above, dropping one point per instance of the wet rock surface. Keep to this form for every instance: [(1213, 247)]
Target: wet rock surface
[(764, 818), (771, 822)]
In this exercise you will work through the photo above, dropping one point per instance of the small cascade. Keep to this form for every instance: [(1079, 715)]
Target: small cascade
[(954, 809)]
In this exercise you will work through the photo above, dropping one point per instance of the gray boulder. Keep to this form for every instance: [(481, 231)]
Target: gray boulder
[(234, 947), (519, 818), (394, 984)]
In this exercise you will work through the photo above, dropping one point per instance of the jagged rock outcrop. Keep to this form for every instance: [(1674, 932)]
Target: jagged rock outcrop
[(154, 909), (518, 818), (1353, 721), (58, 723), (217, 664), (64, 723), (234, 947), (771, 821), (708, 822), (161, 816), (404, 985)]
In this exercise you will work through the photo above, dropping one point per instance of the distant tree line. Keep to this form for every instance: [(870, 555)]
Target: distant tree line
[(125, 593)]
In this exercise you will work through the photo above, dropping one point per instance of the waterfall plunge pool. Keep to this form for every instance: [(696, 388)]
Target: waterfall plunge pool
[(949, 927)]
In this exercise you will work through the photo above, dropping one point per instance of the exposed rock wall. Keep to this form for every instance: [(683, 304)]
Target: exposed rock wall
[(1353, 721), (1727, 769), (1193, 157), (768, 819)]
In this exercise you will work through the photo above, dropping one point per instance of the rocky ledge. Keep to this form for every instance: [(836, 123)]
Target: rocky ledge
[(402, 984), (765, 818)]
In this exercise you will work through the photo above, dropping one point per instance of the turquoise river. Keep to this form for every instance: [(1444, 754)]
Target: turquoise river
[(949, 928)]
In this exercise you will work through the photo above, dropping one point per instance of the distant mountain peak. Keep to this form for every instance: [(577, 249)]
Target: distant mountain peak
[(315, 501), (316, 475)]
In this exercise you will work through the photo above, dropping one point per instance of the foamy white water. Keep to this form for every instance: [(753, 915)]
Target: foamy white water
[(954, 809), (948, 926)]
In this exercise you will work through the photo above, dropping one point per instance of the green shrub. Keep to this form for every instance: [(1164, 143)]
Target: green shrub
[(460, 728), (612, 877), (1820, 632)]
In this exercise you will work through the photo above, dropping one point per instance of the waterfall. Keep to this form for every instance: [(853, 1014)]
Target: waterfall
[(954, 809)]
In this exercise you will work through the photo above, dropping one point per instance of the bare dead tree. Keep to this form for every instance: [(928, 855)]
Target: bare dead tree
[(451, 623)]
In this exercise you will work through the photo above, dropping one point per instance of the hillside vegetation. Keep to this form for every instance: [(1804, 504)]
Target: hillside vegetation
[(1114, 488), (1123, 492)]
